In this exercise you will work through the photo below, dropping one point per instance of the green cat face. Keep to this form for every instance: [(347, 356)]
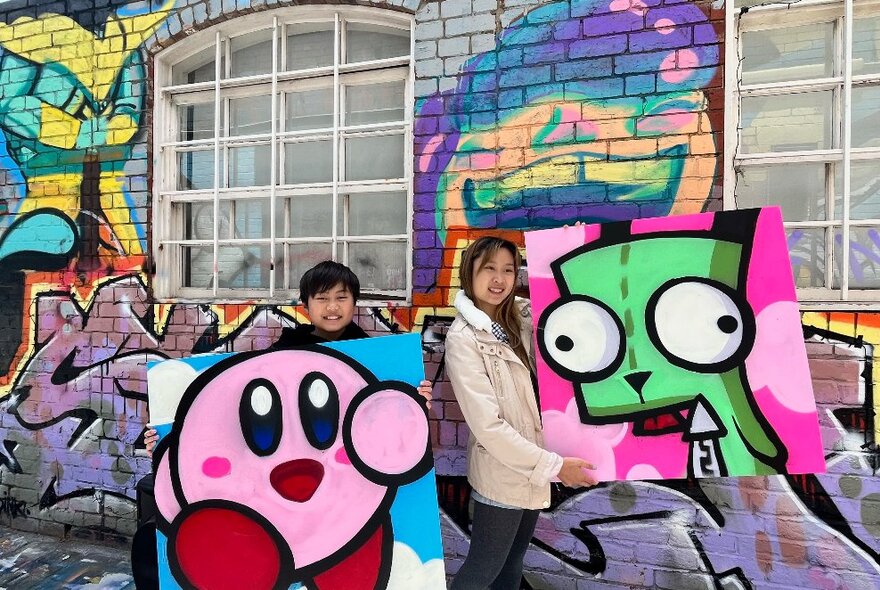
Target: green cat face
[(650, 327)]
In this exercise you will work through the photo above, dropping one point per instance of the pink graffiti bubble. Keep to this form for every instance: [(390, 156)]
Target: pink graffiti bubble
[(664, 26), (216, 467), (678, 66), (634, 6), (643, 471), (567, 436)]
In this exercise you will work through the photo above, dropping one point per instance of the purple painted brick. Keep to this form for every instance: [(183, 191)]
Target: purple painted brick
[(704, 34), (624, 22), (428, 258), (426, 239), (651, 40), (570, 29), (423, 202), (423, 221), (609, 45), (546, 52)]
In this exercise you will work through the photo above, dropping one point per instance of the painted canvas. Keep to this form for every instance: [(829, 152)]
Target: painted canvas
[(672, 347), (307, 468)]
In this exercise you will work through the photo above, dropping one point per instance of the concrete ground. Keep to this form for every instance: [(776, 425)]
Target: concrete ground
[(31, 561)]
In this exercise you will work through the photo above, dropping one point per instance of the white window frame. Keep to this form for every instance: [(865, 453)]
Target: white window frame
[(168, 223), (780, 15)]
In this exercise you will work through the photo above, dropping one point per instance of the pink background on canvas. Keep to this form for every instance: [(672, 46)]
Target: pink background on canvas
[(777, 366)]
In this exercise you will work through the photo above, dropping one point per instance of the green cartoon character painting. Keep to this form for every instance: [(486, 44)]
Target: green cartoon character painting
[(654, 329)]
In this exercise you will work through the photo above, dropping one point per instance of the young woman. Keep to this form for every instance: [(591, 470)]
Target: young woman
[(490, 364)]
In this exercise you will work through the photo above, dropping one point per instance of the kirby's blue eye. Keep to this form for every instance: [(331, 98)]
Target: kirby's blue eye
[(319, 410), (260, 416)]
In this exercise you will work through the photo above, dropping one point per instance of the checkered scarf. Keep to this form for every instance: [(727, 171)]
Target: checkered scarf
[(499, 332)]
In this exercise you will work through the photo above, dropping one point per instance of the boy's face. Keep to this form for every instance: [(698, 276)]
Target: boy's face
[(331, 310)]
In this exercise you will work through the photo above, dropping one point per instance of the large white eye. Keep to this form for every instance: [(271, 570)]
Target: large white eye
[(580, 337), (699, 324)]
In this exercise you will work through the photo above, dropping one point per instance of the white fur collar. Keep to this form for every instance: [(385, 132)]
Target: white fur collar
[(471, 313)]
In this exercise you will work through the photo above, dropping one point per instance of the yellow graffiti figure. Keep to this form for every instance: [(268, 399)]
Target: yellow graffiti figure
[(70, 103)]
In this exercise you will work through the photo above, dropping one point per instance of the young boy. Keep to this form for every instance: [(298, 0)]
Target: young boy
[(329, 292)]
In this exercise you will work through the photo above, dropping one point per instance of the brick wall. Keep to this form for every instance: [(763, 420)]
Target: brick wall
[(528, 114)]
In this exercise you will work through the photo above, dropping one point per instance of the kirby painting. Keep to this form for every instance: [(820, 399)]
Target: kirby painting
[(288, 469)]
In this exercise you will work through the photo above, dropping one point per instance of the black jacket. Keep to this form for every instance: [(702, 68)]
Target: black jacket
[(304, 334)]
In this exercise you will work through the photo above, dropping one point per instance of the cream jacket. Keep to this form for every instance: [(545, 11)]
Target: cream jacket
[(506, 459)]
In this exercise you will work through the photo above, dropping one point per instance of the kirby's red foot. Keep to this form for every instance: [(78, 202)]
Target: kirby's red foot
[(362, 570), (219, 549)]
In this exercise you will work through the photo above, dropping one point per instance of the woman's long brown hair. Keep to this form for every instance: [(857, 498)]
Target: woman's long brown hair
[(483, 250)]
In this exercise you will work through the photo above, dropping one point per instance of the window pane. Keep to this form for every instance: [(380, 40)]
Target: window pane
[(866, 45), (250, 165), (309, 45), (866, 116), (196, 68), (380, 266), (250, 115), (864, 200), (252, 219), (373, 214), (305, 256), (786, 123), (795, 53), (243, 267), (310, 161), (196, 170), (311, 216), (806, 247), (864, 257), (198, 220), (197, 264), (365, 42), (195, 121), (311, 109), (252, 54), (798, 188), (377, 103), (369, 158)]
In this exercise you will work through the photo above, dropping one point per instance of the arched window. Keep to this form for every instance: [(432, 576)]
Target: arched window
[(283, 139)]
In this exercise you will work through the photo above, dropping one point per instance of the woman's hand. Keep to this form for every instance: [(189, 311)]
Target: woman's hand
[(426, 390), (574, 474), (151, 437)]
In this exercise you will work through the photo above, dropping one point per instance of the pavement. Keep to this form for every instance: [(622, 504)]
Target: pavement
[(32, 561)]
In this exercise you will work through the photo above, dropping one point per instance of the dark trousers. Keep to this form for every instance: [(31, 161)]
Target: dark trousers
[(499, 540)]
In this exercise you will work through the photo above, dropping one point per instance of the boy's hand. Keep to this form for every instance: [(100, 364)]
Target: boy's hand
[(151, 437), (425, 390), (573, 473)]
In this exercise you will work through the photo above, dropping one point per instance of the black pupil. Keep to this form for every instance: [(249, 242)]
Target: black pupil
[(727, 324), (564, 343)]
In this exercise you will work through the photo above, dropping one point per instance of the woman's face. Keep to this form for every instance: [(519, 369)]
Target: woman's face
[(493, 280)]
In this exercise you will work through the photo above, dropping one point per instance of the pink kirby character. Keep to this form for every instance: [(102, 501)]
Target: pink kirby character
[(281, 467)]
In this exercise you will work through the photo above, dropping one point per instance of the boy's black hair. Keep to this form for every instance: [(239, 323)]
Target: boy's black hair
[(326, 275)]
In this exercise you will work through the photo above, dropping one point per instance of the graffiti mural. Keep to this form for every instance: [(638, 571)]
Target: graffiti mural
[(537, 114), (336, 443), (592, 110)]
